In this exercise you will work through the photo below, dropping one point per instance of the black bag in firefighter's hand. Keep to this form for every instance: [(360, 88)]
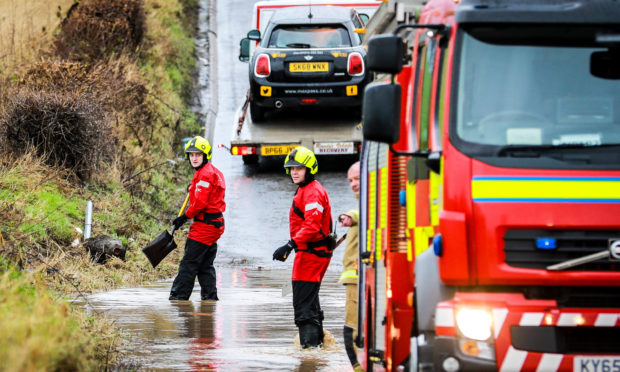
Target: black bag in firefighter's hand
[(282, 253)]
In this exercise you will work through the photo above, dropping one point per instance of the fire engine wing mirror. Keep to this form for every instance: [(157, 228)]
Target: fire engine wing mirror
[(385, 54), (244, 50), (381, 112), (433, 161)]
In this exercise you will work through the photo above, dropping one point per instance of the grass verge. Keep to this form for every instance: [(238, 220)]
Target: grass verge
[(42, 333), (143, 92)]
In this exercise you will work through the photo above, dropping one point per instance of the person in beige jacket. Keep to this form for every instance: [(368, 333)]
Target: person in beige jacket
[(349, 275)]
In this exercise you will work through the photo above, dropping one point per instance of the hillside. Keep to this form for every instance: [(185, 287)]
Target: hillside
[(93, 105)]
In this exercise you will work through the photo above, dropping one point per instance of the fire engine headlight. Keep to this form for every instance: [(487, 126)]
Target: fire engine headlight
[(474, 323)]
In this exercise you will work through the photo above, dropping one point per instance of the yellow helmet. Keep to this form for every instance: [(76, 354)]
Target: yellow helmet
[(198, 144), (302, 157)]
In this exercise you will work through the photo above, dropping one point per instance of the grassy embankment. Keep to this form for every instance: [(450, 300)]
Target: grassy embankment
[(130, 90)]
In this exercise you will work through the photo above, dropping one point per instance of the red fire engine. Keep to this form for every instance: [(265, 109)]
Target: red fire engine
[(490, 209)]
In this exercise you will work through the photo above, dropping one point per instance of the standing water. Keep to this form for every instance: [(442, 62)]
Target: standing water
[(250, 329)]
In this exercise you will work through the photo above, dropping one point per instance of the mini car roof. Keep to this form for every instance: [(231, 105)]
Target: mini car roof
[(319, 14)]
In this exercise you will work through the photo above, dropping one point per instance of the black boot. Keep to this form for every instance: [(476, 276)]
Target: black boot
[(310, 335), (321, 317), (208, 293)]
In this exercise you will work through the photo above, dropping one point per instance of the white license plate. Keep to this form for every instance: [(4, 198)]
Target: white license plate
[(327, 148), (596, 364)]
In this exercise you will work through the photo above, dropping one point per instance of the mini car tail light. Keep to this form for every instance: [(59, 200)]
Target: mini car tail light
[(355, 64), (262, 67)]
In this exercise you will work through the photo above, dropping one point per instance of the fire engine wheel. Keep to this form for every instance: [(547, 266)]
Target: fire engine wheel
[(425, 354), (250, 159), (257, 113), (513, 114)]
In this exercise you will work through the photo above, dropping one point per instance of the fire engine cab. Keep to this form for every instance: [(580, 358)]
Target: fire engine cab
[(490, 208)]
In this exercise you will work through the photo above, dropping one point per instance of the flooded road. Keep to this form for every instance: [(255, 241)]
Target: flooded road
[(251, 328)]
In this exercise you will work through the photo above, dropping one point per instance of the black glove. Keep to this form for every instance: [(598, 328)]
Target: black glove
[(179, 221), (282, 253)]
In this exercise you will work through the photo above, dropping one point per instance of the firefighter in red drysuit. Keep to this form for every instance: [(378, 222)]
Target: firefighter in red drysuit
[(206, 207), (310, 225)]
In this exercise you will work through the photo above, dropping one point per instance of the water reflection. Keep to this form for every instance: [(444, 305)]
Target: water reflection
[(200, 331), (250, 329)]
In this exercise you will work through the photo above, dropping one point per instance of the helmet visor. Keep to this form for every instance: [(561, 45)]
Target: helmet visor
[(293, 163)]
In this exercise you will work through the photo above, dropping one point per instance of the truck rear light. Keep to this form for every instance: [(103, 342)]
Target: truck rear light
[(243, 150), (355, 64), (262, 67), (308, 100)]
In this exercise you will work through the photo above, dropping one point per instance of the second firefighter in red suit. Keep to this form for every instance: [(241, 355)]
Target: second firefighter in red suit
[(310, 224), (206, 207)]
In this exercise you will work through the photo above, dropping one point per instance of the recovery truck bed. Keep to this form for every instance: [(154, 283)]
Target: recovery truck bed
[(325, 134)]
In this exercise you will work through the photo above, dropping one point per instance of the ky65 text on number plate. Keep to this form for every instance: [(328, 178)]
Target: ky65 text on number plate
[(327, 148), (596, 364)]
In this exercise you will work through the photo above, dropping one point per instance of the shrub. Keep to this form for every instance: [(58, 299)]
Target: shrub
[(68, 130)]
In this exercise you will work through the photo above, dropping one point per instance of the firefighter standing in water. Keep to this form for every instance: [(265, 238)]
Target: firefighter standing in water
[(350, 267), (310, 225), (206, 205)]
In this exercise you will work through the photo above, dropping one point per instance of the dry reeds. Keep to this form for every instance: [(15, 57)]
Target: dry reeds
[(94, 30), (26, 28)]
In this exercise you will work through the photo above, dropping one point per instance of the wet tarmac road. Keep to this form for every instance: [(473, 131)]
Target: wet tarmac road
[(251, 328)]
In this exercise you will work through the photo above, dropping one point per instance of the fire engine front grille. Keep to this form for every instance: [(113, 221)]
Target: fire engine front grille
[(521, 251), (566, 340)]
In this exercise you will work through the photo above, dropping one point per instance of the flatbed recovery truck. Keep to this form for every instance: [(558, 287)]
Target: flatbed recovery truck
[(333, 132), (325, 135)]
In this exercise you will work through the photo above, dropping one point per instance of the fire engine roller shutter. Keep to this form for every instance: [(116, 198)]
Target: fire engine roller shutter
[(398, 213), (380, 294)]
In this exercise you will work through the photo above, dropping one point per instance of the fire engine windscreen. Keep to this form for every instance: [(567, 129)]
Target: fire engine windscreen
[(312, 36), (537, 86)]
